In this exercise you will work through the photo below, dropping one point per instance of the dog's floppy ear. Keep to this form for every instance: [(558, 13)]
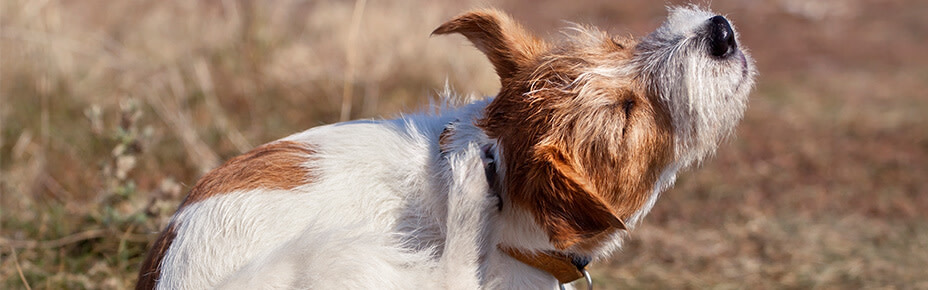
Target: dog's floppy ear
[(564, 202), (508, 46)]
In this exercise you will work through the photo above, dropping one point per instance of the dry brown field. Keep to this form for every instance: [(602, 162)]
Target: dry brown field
[(111, 110)]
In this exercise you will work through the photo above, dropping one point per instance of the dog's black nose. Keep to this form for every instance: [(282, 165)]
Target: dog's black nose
[(721, 37)]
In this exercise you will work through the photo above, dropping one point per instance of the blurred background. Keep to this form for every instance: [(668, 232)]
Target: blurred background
[(111, 110)]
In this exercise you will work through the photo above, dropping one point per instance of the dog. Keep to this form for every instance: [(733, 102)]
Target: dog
[(518, 191)]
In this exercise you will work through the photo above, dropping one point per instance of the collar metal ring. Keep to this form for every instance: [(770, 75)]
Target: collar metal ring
[(589, 280)]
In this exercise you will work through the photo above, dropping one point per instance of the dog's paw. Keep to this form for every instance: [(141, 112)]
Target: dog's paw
[(470, 184)]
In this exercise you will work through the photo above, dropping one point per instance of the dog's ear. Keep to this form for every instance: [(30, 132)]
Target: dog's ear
[(564, 202), (508, 46)]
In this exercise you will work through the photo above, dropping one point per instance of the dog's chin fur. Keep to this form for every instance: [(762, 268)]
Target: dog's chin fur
[(584, 135), (706, 96)]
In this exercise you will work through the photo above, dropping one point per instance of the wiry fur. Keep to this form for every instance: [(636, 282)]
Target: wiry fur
[(706, 96), (584, 135)]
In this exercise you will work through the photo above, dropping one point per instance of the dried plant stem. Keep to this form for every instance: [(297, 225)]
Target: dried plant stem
[(212, 104), (122, 240), (30, 244), (2, 123), (198, 151), (351, 56), (19, 269), (55, 189)]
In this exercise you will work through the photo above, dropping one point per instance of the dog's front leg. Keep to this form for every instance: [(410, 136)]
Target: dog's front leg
[(471, 204)]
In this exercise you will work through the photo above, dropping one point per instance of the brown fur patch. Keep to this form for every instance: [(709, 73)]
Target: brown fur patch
[(582, 150), (151, 267), (278, 165)]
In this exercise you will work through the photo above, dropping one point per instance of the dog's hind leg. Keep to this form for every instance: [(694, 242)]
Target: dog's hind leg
[(471, 204)]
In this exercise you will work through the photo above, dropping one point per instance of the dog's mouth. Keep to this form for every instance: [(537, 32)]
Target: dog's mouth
[(745, 71)]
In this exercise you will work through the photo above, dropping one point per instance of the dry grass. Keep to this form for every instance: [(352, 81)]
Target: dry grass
[(110, 110)]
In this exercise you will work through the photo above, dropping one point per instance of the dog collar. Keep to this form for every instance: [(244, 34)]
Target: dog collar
[(565, 268)]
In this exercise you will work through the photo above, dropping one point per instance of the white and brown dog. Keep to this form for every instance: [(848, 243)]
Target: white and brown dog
[(520, 191)]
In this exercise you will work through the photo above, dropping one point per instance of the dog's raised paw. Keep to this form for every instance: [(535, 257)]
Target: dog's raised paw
[(469, 177)]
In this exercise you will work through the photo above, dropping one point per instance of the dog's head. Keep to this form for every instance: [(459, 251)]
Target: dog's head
[(586, 126)]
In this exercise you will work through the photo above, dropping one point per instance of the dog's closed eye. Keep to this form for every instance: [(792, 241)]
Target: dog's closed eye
[(627, 106)]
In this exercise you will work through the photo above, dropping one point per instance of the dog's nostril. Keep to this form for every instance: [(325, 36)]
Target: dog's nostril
[(721, 37)]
